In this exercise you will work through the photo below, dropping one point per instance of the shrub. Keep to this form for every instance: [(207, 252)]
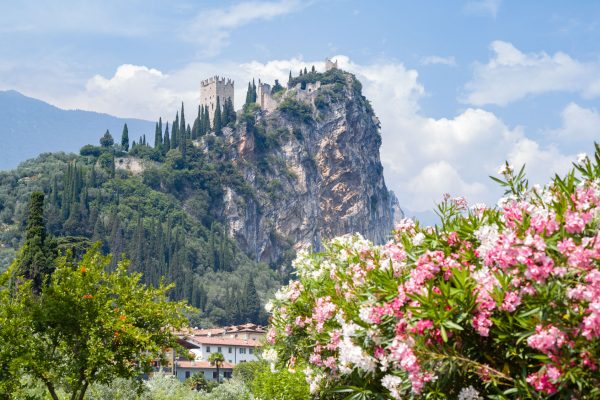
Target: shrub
[(494, 303), (296, 109)]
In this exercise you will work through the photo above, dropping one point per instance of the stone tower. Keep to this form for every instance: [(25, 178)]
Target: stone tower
[(213, 88), (330, 64)]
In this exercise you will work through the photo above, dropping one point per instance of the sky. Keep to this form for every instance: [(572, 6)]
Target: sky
[(459, 86)]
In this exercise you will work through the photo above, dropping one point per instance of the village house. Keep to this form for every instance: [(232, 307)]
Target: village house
[(238, 344)]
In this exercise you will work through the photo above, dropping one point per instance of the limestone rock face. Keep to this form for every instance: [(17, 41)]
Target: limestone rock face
[(313, 164)]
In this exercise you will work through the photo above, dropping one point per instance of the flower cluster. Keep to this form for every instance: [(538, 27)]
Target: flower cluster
[(500, 300)]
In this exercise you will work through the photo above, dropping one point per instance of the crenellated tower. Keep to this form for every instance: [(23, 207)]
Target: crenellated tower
[(213, 88)]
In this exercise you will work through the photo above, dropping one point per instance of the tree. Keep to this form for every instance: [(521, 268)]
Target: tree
[(289, 84), (249, 94), (253, 307), (36, 261), (158, 140), (217, 360), (197, 381), (125, 138), (217, 119), (167, 142), (88, 326), (107, 140)]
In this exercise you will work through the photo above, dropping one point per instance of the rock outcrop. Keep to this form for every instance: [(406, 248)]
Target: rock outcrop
[(313, 164)]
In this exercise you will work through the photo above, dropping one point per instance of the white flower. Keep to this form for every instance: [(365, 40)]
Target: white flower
[(582, 158), (270, 355), (392, 383), (269, 306), (487, 236), (505, 169), (351, 354), (418, 239), (469, 393), (365, 314)]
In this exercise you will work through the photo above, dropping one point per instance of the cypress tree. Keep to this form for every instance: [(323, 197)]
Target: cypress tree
[(252, 301), (182, 131), (175, 132), (305, 72), (217, 120), (158, 135), (36, 261), (254, 96), (249, 94), (167, 141), (206, 121), (289, 84), (125, 138), (313, 69)]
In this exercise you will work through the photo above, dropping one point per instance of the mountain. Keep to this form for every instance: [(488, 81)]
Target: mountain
[(222, 212), (30, 127), (323, 176)]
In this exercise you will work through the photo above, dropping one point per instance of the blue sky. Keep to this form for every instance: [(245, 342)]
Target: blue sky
[(459, 86)]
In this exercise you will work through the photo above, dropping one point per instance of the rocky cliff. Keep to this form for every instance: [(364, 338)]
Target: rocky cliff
[(313, 162)]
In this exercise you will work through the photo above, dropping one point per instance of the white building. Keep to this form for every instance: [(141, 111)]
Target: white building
[(234, 351), (185, 369)]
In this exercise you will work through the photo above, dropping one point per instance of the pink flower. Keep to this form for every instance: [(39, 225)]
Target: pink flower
[(482, 323), (575, 222), (511, 301), (547, 340), (545, 380)]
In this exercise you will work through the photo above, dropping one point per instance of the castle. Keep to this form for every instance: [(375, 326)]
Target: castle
[(222, 88), (213, 88)]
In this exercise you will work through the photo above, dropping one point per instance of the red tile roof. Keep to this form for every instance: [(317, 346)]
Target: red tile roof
[(223, 341)]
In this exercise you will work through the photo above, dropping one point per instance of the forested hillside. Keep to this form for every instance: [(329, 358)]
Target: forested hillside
[(219, 209)]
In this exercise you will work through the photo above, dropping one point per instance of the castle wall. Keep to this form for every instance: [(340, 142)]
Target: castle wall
[(212, 88), (264, 97)]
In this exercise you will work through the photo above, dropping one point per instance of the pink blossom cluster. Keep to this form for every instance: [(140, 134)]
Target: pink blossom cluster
[(548, 340), (389, 312)]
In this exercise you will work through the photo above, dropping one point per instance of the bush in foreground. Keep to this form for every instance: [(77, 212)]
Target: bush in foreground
[(494, 303)]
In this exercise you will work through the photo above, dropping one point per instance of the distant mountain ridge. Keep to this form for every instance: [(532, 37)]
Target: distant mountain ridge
[(30, 126)]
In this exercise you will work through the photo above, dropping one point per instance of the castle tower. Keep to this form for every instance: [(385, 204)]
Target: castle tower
[(213, 88), (330, 64)]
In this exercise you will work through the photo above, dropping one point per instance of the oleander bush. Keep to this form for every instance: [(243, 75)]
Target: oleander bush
[(496, 303)]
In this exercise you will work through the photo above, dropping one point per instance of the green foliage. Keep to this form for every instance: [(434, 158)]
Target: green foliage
[(125, 138), (36, 259), (90, 150), (296, 109), (89, 325), (107, 140), (167, 387), (218, 118), (280, 385), (277, 87)]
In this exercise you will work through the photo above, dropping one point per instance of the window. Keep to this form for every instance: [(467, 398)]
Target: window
[(215, 376), (219, 349), (242, 350), (208, 349), (251, 351), (230, 350), (187, 374), (227, 374)]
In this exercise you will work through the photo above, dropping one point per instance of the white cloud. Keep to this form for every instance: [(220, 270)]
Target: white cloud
[(211, 28), (511, 75), (423, 157), (579, 124), (483, 7), (433, 60)]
